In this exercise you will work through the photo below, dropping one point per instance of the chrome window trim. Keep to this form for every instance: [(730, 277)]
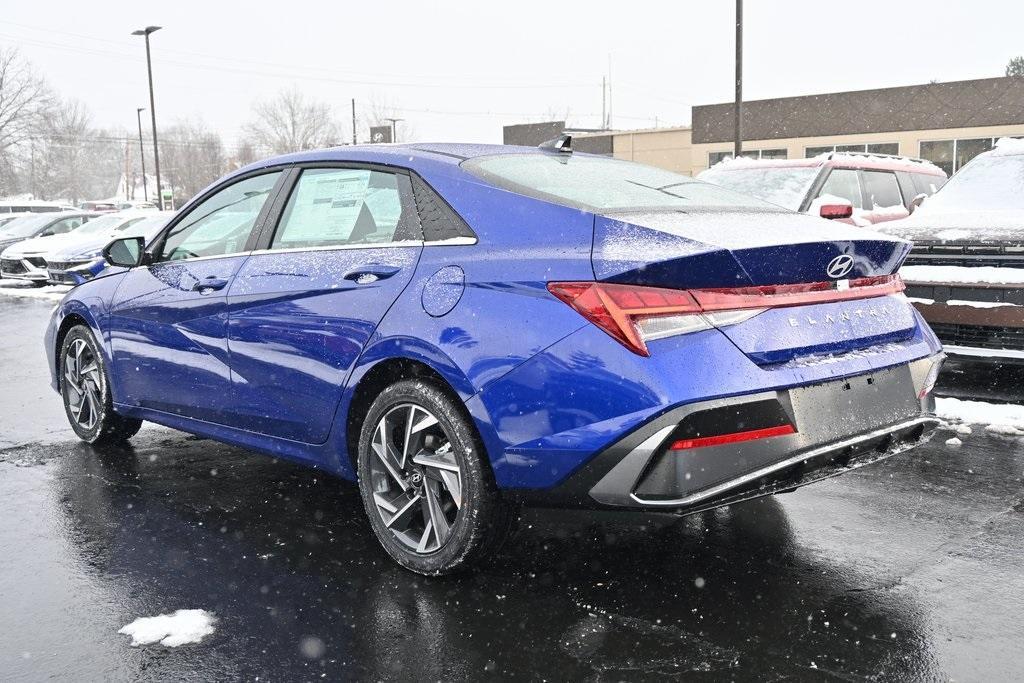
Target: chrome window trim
[(199, 258), (450, 242)]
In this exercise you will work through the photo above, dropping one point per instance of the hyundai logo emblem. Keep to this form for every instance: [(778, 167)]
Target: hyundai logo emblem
[(840, 266)]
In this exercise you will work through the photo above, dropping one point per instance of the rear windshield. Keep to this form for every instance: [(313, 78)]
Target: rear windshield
[(602, 185), (786, 185)]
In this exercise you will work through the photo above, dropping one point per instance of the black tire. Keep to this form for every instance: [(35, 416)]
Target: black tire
[(482, 520), (85, 392)]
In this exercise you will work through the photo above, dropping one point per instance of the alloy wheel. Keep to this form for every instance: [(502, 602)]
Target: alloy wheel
[(83, 379), (416, 480)]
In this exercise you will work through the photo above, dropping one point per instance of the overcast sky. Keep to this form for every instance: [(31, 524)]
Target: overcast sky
[(460, 70)]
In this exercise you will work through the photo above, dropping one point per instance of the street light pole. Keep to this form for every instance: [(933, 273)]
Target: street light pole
[(394, 128), (142, 153), (152, 111), (737, 148)]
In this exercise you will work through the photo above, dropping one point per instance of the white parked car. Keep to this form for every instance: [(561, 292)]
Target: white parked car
[(32, 206), (79, 259), (26, 260)]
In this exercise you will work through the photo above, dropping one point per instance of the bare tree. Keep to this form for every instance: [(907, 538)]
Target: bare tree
[(24, 96), (192, 157), (290, 122), (377, 110), (1015, 67)]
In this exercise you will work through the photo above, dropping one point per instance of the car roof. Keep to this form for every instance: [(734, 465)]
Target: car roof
[(838, 160)]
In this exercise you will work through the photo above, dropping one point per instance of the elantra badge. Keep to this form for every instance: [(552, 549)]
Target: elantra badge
[(840, 266)]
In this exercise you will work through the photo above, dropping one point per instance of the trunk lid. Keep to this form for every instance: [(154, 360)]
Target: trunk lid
[(738, 249)]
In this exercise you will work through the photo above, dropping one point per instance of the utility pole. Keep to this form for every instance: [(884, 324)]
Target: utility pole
[(394, 128), (737, 147), (127, 170), (142, 154), (604, 102), (609, 125), (152, 111), (354, 121)]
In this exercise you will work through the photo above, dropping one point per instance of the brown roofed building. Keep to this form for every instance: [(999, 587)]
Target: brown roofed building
[(946, 123)]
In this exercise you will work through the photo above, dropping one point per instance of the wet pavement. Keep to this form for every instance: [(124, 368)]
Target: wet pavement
[(912, 569)]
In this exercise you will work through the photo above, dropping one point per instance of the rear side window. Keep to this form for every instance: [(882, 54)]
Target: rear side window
[(927, 184), (603, 185), (843, 183), (438, 220), (63, 226), (332, 207), (881, 190)]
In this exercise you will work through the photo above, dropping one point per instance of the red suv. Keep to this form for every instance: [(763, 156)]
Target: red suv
[(858, 188)]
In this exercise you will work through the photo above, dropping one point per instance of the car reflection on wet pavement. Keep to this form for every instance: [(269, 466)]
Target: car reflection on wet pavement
[(911, 569)]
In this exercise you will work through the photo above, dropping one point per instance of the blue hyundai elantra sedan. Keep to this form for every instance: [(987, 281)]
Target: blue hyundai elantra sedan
[(466, 328)]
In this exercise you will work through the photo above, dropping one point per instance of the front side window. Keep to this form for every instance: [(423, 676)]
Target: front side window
[(332, 207), (881, 189), (843, 183), (221, 224), (63, 226)]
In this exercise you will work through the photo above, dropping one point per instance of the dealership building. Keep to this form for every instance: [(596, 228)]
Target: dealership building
[(946, 123)]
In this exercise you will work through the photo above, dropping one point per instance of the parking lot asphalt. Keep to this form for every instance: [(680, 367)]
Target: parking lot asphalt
[(911, 569)]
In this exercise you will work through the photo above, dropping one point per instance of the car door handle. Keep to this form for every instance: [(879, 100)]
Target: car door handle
[(370, 273), (210, 284)]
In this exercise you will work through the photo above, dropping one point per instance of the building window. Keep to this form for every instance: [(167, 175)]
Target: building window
[(951, 155), (715, 157), (892, 148)]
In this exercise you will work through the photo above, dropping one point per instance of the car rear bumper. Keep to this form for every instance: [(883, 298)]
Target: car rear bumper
[(837, 426)]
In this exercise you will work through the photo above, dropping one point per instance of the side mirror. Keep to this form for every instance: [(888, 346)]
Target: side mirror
[(917, 201), (834, 211), (126, 252)]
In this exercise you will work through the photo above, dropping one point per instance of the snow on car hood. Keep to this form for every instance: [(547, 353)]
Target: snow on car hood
[(950, 226), (78, 245), (36, 245)]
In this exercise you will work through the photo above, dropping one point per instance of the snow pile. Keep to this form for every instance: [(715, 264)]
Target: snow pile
[(963, 274), (23, 289), (1010, 145), (954, 442), (998, 418), (180, 628)]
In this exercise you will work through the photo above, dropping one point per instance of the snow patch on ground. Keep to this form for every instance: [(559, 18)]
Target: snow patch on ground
[(963, 274), (23, 289), (954, 442), (979, 304), (999, 418), (180, 628)]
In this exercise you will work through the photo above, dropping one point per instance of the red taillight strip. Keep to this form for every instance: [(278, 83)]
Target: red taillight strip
[(616, 308), (735, 437), (777, 296)]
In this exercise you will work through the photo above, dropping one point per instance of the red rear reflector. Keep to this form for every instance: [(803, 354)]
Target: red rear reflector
[(735, 437)]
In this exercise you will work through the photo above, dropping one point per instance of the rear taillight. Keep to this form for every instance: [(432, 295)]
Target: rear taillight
[(634, 315)]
